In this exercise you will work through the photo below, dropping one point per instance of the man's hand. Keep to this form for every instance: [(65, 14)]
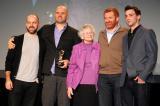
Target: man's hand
[(11, 45), (9, 85), (139, 80), (65, 63), (69, 92)]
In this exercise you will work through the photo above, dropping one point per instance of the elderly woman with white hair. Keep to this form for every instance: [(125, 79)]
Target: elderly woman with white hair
[(83, 69)]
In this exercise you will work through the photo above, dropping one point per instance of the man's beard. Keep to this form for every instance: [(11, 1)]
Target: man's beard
[(32, 31)]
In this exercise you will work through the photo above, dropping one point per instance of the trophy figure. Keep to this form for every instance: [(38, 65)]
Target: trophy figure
[(60, 58)]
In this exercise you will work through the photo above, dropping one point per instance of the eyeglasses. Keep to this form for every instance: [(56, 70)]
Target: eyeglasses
[(87, 33)]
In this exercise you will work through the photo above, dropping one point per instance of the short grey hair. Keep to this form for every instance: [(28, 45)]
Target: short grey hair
[(64, 6), (33, 14), (85, 26)]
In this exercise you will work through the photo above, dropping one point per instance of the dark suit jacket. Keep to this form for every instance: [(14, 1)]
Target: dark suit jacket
[(68, 38), (14, 56), (141, 58)]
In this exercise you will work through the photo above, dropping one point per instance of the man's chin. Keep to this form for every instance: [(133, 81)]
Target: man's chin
[(110, 27), (61, 22), (32, 31)]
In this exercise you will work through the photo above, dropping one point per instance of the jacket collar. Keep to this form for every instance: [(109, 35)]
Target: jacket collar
[(94, 45)]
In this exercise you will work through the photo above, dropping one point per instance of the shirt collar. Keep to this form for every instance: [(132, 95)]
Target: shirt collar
[(30, 35), (65, 26), (135, 30)]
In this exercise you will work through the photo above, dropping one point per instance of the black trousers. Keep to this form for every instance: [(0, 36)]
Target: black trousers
[(23, 93), (85, 95), (134, 94)]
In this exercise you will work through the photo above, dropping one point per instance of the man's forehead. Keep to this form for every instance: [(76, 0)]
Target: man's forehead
[(61, 8), (32, 16)]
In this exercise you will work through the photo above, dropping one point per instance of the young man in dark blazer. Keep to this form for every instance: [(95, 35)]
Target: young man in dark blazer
[(23, 65), (59, 39), (140, 56)]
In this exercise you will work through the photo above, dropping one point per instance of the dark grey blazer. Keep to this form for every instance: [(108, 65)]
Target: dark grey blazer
[(141, 58)]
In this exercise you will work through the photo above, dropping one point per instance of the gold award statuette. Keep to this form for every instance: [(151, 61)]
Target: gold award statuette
[(60, 58)]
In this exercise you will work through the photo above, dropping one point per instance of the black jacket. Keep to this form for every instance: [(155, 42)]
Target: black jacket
[(14, 56), (68, 38)]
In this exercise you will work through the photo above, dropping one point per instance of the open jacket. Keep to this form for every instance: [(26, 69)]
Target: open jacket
[(68, 38), (76, 67), (14, 56), (141, 58)]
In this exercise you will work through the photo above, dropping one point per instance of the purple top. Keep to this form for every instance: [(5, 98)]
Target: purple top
[(57, 35), (88, 75), (84, 65)]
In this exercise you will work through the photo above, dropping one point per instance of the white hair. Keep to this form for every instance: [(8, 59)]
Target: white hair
[(85, 26)]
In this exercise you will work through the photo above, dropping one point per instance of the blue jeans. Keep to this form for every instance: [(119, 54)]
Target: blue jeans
[(109, 90)]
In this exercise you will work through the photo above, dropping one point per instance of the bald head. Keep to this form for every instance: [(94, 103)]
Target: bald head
[(33, 16), (32, 23), (62, 7), (61, 14)]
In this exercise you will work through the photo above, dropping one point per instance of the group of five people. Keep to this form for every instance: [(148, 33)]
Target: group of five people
[(71, 65)]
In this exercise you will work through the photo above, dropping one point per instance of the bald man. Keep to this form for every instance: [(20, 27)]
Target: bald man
[(23, 64), (58, 37)]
